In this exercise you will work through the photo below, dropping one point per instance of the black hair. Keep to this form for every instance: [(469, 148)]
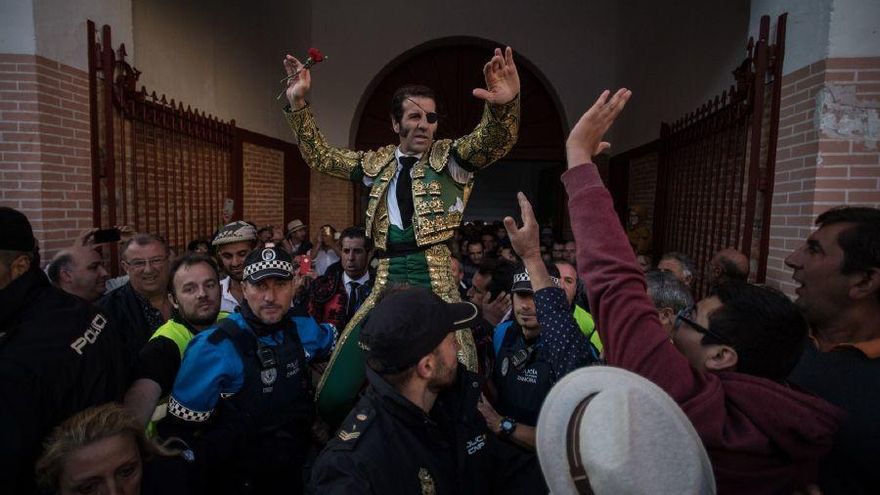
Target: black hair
[(861, 242), (190, 259), (355, 232), (763, 325), (502, 278), (194, 244), (408, 91)]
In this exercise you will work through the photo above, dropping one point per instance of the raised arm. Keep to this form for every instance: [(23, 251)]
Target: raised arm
[(631, 331), (317, 153), (498, 129), (566, 346)]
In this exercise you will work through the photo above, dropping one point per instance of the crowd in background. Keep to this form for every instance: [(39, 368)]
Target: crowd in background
[(594, 363)]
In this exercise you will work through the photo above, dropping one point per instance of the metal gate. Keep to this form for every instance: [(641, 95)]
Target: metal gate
[(163, 168), (716, 167)]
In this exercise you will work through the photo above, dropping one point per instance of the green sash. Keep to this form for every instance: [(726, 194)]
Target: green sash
[(345, 374)]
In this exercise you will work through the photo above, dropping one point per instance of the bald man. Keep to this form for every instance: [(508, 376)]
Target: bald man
[(79, 271), (729, 264)]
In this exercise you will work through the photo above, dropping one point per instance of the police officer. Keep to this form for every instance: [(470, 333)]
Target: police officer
[(245, 386), (416, 428), (58, 355), (541, 345)]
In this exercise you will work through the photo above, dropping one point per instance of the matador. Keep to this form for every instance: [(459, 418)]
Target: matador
[(418, 192)]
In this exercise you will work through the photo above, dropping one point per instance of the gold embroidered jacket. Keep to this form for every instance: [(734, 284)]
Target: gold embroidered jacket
[(439, 200)]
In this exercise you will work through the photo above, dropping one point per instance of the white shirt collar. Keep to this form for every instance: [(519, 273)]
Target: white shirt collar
[(362, 280)]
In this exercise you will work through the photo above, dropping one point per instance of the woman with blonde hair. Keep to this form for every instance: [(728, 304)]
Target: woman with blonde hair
[(103, 450)]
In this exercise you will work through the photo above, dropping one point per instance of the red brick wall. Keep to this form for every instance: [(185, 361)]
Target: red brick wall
[(827, 159), (330, 201), (263, 185), (45, 168)]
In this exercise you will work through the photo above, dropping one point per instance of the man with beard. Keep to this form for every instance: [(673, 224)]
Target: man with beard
[(243, 396), (194, 291), (336, 296), (416, 428), (79, 271), (140, 306), (418, 192), (233, 243)]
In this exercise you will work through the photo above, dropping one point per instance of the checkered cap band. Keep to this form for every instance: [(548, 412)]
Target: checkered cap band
[(259, 266), (522, 281), (179, 410)]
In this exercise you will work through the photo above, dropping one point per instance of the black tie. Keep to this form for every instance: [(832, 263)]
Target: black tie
[(404, 190), (354, 298)]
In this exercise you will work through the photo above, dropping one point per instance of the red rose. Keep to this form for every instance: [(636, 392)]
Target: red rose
[(316, 54)]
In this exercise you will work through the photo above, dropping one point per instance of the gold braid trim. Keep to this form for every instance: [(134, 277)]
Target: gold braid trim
[(493, 137), (443, 284), (378, 286), (337, 162)]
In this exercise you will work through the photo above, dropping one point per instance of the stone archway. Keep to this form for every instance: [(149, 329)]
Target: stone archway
[(453, 67)]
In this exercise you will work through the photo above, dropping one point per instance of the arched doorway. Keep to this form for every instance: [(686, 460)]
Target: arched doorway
[(453, 68)]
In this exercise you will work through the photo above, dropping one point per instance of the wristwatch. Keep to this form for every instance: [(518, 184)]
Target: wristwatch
[(507, 426)]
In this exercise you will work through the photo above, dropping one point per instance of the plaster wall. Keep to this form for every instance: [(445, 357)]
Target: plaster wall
[(223, 57), (855, 29), (17, 27)]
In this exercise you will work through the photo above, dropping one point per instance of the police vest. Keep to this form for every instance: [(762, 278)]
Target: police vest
[(274, 408), (521, 391)]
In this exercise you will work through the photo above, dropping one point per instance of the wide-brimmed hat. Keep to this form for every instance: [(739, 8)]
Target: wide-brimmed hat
[(294, 225), (621, 434), (237, 231)]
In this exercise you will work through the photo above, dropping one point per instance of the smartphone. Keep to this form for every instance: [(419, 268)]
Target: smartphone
[(305, 266), (106, 235)]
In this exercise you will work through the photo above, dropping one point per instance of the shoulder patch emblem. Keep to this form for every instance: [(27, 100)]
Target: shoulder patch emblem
[(268, 376)]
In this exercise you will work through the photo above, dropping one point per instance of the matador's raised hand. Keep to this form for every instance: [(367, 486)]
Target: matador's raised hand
[(502, 79), (298, 86)]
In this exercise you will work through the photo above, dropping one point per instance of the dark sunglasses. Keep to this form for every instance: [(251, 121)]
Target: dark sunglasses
[(685, 316)]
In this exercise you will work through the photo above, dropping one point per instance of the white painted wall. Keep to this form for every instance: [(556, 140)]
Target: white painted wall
[(855, 28), (807, 28), (60, 27), (17, 27), (223, 57), (674, 56)]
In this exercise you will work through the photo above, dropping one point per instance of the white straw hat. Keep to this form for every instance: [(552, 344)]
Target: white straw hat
[(629, 436)]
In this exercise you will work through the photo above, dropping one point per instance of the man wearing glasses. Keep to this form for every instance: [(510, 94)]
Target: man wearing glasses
[(729, 356), (141, 306)]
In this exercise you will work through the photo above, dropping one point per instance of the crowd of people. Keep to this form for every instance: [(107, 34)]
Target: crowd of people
[(425, 355)]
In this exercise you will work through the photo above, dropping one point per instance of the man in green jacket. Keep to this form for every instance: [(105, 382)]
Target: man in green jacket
[(418, 192)]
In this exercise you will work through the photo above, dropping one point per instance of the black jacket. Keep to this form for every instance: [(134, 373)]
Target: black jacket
[(388, 445), (124, 309), (58, 356)]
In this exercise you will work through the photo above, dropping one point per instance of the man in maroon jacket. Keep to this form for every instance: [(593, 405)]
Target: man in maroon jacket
[(727, 357)]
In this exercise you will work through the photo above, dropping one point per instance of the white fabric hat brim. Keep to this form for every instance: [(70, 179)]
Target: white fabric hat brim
[(664, 454)]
